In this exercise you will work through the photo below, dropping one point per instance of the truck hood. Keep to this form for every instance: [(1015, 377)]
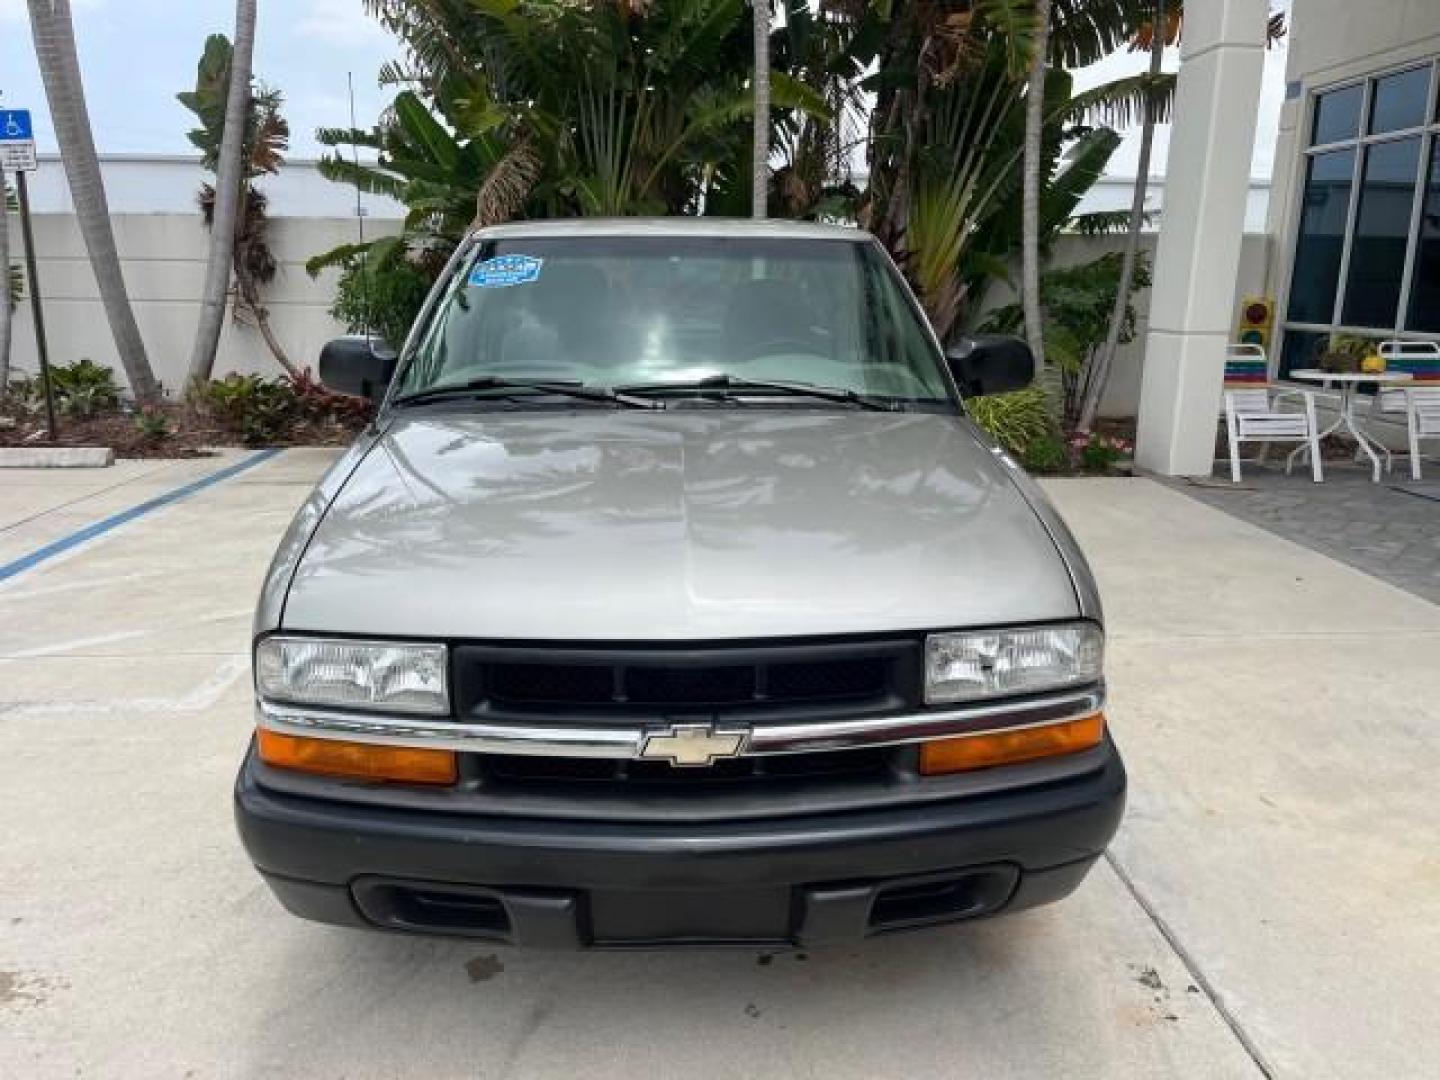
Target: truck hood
[(699, 524)]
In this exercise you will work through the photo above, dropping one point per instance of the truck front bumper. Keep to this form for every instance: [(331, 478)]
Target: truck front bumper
[(580, 884)]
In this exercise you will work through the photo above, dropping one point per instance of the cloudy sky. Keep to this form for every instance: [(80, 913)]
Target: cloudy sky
[(137, 54)]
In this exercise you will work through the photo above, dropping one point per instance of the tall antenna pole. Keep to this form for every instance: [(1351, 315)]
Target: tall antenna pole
[(760, 157), (359, 206)]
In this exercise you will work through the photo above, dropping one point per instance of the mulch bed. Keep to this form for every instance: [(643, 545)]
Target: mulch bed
[(192, 433)]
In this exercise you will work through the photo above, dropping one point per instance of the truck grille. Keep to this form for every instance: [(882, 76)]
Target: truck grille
[(526, 684), (653, 685)]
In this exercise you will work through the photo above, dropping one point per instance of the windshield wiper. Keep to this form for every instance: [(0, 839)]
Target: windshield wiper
[(538, 386), (796, 389)]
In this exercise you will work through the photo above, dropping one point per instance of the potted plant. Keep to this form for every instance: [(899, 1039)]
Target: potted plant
[(1343, 354)]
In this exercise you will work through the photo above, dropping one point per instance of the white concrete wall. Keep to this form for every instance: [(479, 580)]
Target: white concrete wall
[(1337, 39), (167, 183), (163, 256), (1115, 193)]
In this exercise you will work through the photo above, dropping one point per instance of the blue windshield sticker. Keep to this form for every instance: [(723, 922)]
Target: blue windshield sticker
[(505, 270)]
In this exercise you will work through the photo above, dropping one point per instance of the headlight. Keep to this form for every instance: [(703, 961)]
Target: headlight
[(992, 663), (353, 674)]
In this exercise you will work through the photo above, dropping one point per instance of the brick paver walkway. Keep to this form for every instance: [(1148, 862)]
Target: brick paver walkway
[(1390, 529)]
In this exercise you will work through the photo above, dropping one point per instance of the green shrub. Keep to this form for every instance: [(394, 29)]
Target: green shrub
[(263, 411), (1077, 302), (382, 294), (257, 409), (1100, 453), (1044, 455), (1021, 423), (82, 390), (153, 426)]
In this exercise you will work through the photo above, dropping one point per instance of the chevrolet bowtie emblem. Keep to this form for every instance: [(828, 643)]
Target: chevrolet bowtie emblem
[(693, 745)]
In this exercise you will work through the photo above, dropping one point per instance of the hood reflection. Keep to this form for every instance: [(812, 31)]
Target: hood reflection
[(690, 523)]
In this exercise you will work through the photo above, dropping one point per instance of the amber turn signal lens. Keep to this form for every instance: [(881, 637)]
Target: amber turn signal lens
[(333, 757), (1010, 747)]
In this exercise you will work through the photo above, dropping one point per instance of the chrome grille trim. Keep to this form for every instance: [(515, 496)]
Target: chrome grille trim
[(626, 741)]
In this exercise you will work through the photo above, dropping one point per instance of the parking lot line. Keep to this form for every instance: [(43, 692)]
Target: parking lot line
[(99, 528)]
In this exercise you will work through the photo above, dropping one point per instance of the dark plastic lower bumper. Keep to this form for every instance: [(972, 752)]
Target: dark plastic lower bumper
[(579, 884)]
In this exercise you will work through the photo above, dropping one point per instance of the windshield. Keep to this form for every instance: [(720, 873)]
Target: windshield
[(660, 314)]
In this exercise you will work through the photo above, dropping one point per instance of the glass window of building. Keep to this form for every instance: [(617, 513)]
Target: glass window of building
[(1400, 101), (1337, 114), (1382, 233), (1366, 256)]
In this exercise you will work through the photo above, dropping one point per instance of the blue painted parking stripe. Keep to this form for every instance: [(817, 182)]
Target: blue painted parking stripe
[(90, 532)]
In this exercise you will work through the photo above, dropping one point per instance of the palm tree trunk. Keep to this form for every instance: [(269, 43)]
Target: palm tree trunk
[(1030, 196), (229, 184), (759, 199), (7, 323), (1104, 360), (65, 90)]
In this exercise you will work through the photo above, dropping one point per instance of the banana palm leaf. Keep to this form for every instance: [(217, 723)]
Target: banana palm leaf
[(1123, 102), (328, 136), (1086, 165), (369, 179), (1083, 31), (1013, 21), (1105, 222), (423, 130)]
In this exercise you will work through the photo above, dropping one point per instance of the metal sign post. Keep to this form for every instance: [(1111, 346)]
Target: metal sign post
[(42, 349), (17, 154)]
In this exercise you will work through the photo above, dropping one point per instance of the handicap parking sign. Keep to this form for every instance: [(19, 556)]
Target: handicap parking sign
[(17, 141), (15, 126)]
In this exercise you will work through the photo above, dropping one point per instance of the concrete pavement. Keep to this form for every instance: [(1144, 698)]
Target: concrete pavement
[(1280, 714), (1278, 711), (1390, 530)]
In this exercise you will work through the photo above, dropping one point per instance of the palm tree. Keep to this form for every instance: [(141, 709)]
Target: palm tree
[(946, 145), (54, 35), (760, 162), (266, 138), (1030, 228), (1161, 27), (1100, 375), (229, 181), (610, 108)]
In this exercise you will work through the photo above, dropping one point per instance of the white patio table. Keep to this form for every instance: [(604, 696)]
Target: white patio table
[(1348, 383)]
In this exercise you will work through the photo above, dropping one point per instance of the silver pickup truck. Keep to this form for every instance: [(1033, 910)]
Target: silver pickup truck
[(673, 599)]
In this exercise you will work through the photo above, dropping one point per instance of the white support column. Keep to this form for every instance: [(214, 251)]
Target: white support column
[(1198, 258)]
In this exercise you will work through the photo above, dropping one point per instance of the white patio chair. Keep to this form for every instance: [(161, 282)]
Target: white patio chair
[(1418, 401), (1253, 413)]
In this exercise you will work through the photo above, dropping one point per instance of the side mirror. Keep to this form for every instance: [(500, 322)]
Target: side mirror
[(990, 364), (358, 366)]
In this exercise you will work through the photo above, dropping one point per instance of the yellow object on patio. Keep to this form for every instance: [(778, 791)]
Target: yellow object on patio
[(1373, 364)]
